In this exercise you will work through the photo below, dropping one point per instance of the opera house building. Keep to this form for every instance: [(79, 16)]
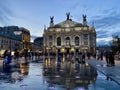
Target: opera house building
[(69, 36)]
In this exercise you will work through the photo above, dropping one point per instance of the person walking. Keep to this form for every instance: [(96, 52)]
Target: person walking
[(83, 58), (107, 58), (97, 54), (7, 57), (101, 55), (88, 55), (111, 58), (16, 55)]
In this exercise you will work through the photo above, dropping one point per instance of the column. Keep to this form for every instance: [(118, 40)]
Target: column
[(82, 40), (89, 40), (79, 40)]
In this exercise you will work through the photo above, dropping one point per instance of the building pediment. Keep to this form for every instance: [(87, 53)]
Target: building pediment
[(68, 24)]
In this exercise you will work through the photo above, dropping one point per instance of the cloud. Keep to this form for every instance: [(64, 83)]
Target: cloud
[(102, 34), (74, 6), (107, 21), (104, 41), (5, 13), (3, 17), (104, 21), (33, 38), (106, 25), (116, 33)]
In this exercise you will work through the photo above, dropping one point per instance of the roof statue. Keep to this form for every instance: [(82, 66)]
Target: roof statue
[(84, 17), (51, 19), (68, 15)]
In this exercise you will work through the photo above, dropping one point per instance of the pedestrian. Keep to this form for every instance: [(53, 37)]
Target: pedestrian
[(7, 57), (80, 56), (16, 54), (88, 55), (26, 54), (101, 55), (97, 55), (111, 58), (83, 58), (107, 58)]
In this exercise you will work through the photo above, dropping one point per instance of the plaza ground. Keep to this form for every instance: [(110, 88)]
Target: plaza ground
[(111, 72), (32, 77)]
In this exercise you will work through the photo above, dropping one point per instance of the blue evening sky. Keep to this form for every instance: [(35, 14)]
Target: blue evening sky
[(34, 14)]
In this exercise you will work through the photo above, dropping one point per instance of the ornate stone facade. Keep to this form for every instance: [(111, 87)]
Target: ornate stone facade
[(69, 36)]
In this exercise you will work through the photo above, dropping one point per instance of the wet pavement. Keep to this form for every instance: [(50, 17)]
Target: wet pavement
[(55, 74), (111, 72)]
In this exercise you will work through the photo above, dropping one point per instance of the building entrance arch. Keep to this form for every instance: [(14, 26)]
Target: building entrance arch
[(77, 51), (67, 51)]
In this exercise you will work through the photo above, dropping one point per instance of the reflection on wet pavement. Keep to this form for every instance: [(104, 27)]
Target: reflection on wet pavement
[(54, 74), (68, 75)]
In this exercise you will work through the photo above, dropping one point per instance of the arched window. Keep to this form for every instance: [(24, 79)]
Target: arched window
[(59, 41), (76, 41), (67, 41)]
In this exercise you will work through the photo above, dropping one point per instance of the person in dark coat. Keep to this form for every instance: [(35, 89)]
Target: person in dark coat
[(101, 55), (111, 58), (107, 58), (83, 57), (16, 54), (7, 57)]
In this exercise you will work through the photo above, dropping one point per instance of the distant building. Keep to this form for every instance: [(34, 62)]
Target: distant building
[(69, 36), (39, 41), (10, 39), (25, 38), (34, 47), (37, 45)]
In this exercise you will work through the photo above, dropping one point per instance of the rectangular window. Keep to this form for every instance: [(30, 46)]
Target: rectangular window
[(76, 43), (85, 43), (50, 44), (85, 36), (67, 42)]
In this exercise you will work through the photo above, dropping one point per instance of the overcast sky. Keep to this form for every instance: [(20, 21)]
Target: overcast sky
[(34, 14)]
